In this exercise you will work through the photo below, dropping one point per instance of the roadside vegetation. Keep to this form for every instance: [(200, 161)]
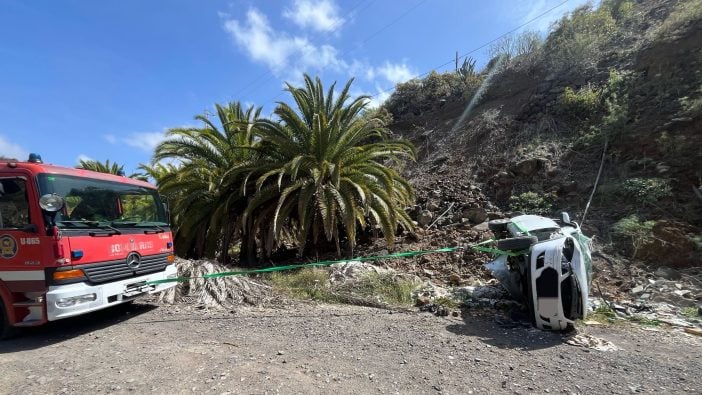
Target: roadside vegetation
[(324, 173), (374, 289), (311, 178)]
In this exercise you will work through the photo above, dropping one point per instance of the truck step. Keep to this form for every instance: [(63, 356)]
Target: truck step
[(29, 303), (30, 323)]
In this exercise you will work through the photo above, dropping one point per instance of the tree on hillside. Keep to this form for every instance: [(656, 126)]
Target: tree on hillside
[(325, 171), (206, 209)]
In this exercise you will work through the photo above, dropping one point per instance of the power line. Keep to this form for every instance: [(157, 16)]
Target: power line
[(405, 13), (480, 47)]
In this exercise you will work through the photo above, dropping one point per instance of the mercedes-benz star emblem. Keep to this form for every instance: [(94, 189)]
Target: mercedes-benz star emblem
[(133, 260)]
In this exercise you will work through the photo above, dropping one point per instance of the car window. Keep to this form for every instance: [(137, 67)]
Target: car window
[(14, 203)]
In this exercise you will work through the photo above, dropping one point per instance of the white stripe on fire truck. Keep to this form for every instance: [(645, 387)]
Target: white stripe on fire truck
[(22, 275)]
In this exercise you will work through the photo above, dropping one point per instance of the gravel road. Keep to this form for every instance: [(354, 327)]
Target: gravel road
[(310, 348)]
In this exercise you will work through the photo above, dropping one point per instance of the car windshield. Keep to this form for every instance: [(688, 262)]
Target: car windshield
[(92, 203)]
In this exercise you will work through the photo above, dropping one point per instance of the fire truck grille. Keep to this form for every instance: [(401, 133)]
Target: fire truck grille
[(115, 270)]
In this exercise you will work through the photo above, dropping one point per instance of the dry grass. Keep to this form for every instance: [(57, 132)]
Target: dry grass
[(367, 289)]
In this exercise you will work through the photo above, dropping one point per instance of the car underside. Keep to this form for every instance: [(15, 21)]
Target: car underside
[(547, 265)]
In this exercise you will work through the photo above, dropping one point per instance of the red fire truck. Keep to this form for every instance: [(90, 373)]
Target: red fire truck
[(74, 241)]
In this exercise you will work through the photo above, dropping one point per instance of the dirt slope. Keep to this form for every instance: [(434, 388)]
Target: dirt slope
[(518, 139)]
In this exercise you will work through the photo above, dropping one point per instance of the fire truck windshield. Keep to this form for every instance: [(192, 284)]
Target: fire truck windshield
[(92, 203)]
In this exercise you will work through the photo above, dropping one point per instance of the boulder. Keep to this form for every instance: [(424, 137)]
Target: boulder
[(424, 218), (531, 166), (432, 206), (667, 273), (475, 215)]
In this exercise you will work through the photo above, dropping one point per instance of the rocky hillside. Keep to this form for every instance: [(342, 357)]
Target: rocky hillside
[(528, 133)]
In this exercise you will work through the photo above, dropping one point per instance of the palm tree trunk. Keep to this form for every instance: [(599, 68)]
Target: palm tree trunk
[(247, 253)]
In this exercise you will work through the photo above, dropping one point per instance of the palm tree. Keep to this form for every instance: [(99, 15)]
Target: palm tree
[(107, 167), (206, 209), (325, 170)]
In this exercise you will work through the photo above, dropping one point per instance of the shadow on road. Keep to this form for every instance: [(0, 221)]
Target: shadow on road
[(505, 333), (58, 331)]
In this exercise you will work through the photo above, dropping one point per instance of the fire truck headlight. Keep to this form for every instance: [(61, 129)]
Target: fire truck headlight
[(74, 300)]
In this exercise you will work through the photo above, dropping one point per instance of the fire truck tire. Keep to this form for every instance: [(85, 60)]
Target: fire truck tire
[(516, 243), (6, 330)]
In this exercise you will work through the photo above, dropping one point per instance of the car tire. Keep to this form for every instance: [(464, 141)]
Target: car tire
[(6, 330), (516, 243), (498, 225)]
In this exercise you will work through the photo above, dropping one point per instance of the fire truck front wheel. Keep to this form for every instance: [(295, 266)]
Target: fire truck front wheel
[(6, 330)]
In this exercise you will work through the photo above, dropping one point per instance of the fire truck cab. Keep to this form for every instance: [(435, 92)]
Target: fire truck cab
[(74, 241)]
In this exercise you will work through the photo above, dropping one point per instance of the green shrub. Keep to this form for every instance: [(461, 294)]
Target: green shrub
[(646, 190), (616, 112), (581, 104), (415, 96), (692, 106), (632, 234), (406, 97), (532, 203), (684, 12), (577, 40), (513, 46), (381, 116), (603, 313), (690, 312), (671, 144)]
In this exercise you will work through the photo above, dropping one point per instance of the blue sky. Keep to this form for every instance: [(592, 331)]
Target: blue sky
[(105, 79)]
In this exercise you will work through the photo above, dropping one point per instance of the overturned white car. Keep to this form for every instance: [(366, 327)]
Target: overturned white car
[(548, 264)]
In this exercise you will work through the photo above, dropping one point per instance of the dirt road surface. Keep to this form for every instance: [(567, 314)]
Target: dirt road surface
[(309, 348)]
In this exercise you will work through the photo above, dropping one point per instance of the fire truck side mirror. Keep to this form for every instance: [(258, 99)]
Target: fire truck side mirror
[(51, 203)]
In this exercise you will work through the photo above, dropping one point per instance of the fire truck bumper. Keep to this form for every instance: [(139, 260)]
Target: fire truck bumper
[(64, 301)]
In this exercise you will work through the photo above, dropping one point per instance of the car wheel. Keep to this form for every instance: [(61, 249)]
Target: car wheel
[(516, 243), (498, 225), (6, 330)]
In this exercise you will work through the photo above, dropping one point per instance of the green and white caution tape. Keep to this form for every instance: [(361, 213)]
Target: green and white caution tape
[(407, 254)]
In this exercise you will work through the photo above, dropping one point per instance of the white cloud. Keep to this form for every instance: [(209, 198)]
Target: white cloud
[(395, 73), (378, 99), (145, 141), (278, 50), (83, 157), (110, 138), (320, 15), (11, 150)]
